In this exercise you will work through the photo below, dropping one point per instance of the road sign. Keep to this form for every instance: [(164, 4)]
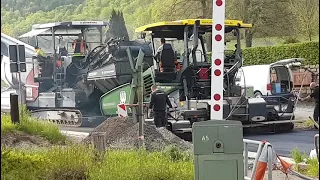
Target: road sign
[(17, 57)]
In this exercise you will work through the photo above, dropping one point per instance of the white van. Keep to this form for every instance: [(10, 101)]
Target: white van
[(270, 79)]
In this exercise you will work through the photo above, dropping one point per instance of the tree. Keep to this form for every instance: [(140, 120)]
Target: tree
[(117, 27), (306, 14), (268, 17)]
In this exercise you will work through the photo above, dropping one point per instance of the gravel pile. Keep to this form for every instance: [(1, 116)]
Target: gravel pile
[(112, 127), (122, 133)]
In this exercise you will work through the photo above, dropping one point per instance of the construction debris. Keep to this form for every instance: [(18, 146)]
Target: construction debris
[(122, 133)]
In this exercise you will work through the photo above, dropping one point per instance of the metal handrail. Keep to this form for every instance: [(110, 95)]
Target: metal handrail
[(246, 158), (260, 144), (316, 144)]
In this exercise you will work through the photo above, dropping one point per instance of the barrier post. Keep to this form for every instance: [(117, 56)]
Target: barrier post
[(14, 108)]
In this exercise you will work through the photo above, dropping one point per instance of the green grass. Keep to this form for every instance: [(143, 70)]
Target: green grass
[(32, 126), (308, 123), (313, 164), (78, 162), (297, 156)]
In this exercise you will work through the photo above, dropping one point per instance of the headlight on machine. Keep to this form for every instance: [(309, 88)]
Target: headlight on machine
[(282, 109)]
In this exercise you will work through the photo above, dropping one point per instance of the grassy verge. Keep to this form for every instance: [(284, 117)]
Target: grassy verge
[(308, 124), (312, 165), (32, 126), (77, 162)]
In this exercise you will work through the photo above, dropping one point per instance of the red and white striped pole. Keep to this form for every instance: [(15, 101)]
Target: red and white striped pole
[(218, 18)]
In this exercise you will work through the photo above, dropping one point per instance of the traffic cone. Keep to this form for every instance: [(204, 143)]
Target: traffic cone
[(262, 164), (285, 165)]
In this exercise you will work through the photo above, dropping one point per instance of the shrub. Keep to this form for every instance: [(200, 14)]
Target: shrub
[(270, 54)]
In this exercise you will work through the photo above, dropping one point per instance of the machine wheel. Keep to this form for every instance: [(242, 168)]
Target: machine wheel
[(257, 94)]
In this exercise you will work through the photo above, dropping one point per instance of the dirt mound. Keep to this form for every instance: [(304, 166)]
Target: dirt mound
[(22, 140), (122, 133), (112, 127)]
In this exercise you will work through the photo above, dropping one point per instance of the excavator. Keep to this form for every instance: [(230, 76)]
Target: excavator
[(85, 90)]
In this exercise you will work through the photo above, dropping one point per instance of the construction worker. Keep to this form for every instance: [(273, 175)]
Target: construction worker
[(39, 52), (315, 95), (158, 103), (158, 53), (79, 45)]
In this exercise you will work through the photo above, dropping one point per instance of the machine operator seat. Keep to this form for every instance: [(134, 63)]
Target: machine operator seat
[(167, 58), (167, 65)]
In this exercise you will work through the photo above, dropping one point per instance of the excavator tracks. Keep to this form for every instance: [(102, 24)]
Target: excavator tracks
[(62, 117)]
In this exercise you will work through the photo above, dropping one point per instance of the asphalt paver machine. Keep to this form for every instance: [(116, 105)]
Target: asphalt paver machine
[(189, 87)]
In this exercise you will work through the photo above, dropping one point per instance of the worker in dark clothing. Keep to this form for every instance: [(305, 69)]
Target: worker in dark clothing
[(79, 46), (158, 103), (315, 95)]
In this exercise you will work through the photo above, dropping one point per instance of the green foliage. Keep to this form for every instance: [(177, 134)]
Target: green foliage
[(32, 126), (313, 169), (78, 162), (117, 26), (297, 156), (270, 54), (175, 154), (6, 124), (21, 165)]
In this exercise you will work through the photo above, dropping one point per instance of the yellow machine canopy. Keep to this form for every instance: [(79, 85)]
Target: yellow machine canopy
[(176, 28)]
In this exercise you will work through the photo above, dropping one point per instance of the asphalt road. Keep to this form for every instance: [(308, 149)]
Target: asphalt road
[(283, 143)]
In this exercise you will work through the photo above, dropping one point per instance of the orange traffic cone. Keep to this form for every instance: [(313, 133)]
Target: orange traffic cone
[(285, 165), (262, 164)]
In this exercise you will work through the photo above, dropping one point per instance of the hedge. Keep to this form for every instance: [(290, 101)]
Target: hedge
[(270, 54)]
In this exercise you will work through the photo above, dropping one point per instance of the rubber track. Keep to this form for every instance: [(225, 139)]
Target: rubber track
[(69, 123)]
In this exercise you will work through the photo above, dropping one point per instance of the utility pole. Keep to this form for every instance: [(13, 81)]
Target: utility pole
[(140, 99)]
